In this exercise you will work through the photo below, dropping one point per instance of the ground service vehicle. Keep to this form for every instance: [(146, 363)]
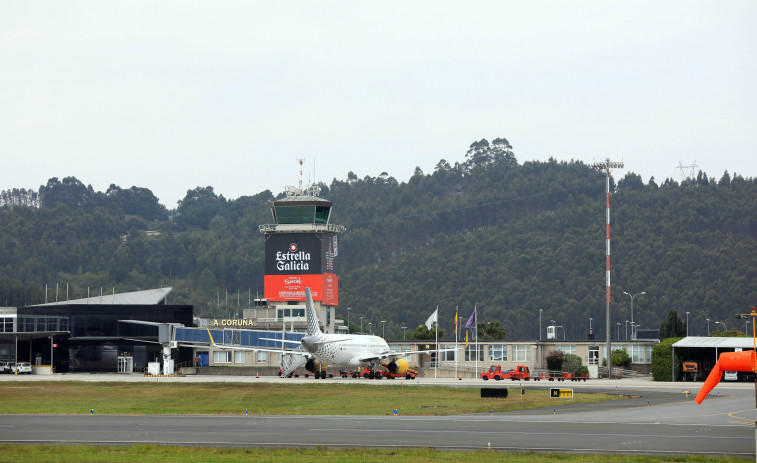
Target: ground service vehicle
[(495, 372), (692, 371), (22, 367), (520, 373), (4, 368)]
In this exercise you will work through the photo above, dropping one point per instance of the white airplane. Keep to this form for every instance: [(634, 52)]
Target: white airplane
[(349, 351)]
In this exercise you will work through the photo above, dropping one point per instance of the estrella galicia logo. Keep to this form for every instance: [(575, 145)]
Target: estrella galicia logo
[(293, 247)]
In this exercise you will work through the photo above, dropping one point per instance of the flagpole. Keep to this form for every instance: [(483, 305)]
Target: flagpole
[(456, 342), (436, 367), (475, 325)]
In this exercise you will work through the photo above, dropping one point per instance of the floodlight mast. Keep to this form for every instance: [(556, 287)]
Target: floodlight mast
[(605, 166)]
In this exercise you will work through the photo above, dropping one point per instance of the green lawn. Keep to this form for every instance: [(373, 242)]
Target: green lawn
[(151, 453), (74, 397)]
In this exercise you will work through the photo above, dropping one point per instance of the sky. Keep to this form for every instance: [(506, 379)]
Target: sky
[(173, 95)]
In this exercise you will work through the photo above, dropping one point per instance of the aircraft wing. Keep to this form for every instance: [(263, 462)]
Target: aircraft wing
[(395, 355)]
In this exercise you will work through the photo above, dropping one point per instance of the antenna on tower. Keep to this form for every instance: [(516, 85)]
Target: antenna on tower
[(686, 172), (606, 165), (301, 161)]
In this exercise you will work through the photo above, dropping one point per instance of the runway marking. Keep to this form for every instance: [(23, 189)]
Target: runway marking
[(529, 433)]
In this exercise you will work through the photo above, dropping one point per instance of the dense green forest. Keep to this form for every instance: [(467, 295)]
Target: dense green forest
[(488, 232)]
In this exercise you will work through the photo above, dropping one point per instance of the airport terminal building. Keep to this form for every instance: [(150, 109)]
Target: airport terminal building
[(91, 334)]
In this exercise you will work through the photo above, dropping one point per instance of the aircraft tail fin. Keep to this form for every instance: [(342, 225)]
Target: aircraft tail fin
[(314, 327)]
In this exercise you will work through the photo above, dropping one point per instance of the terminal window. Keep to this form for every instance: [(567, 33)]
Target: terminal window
[(498, 352)]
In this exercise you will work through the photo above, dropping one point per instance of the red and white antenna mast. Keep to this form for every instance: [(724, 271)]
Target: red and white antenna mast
[(605, 166), (301, 161)]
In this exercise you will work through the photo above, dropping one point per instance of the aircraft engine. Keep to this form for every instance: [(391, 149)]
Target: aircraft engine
[(310, 365), (398, 367), (309, 343)]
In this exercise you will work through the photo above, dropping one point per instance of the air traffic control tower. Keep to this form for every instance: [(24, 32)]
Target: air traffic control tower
[(301, 248)]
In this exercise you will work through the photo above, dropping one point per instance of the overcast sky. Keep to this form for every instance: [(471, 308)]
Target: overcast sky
[(174, 95)]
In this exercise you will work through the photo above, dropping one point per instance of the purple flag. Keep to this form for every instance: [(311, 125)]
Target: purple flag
[(471, 320)]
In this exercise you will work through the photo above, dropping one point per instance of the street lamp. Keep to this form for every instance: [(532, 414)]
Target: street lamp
[(626, 330), (540, 311), (404, 328), (370, 327), (708, 326), (361, 325), (687, 323), (348, 319), (726, 328), (617, 335), (383, 324), (632, 296)]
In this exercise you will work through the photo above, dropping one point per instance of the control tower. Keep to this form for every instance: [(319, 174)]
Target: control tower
[(301, 248)]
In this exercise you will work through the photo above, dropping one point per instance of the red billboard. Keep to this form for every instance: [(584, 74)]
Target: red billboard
[(325, 288)]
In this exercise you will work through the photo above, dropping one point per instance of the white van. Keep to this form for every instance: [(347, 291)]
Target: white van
[(730, 376)]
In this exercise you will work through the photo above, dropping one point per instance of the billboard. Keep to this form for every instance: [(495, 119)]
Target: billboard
[(294, 261)]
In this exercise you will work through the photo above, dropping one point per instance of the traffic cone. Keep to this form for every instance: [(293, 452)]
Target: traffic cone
[(257, 374)]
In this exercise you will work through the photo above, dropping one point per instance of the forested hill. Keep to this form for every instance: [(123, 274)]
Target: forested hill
[(507, 238)]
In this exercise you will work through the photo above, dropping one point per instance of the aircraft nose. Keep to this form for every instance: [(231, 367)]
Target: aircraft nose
[(308, 342)]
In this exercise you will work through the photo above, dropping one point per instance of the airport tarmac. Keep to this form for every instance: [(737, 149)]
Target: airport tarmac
[(659, 420)]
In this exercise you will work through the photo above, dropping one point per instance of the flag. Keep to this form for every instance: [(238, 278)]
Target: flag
[(455, 324), (471, 320), (432, 319)]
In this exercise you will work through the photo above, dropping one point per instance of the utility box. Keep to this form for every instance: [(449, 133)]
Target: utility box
[(153, 368)]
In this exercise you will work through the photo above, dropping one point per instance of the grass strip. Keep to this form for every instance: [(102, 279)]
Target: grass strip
[(169, 454), (155, 398)]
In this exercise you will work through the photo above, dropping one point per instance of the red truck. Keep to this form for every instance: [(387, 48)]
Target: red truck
[(496, 373)]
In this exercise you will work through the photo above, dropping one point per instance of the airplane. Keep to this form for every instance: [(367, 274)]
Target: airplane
[(317, 350)]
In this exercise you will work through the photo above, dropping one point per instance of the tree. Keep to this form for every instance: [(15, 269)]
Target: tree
[(555, 360), (571, 363), (620, 358), (423, 333), (661, 358), (490, 330), (673, 327)]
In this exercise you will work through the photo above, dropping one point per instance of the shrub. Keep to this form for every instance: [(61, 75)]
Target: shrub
[(661, 368), (620, 358), (554, 360), (571, 363)]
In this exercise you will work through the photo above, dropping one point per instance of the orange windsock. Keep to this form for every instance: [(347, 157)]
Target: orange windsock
[(728, 361)]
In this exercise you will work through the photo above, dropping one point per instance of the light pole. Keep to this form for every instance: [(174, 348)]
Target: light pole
[(370, 327), (617, 335), (626, 330), (404, 329), (540, 311), (632, 296), (383, 325), (726, 328), (361, 325), (687, 323), (708, 327), (746, 326), (348, 319)]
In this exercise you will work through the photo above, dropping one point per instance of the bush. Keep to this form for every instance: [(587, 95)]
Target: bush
[(661, 368), (571, 363), (620, 358), (554, 360), (583, 371)]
